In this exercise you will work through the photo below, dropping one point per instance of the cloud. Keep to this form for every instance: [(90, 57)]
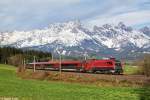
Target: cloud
[(129, 18), (131, 12), (32, 14)]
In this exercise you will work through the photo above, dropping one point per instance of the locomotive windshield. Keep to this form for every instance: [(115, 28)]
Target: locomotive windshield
[(118, 64)]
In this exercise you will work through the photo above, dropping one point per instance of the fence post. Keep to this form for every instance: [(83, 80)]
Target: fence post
[(24, 63), (60, 63), (34, 65)]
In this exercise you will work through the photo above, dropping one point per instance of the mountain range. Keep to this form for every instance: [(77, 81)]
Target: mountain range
[(72, 38)]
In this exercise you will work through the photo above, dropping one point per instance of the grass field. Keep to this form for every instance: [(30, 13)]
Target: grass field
[(13, 86)]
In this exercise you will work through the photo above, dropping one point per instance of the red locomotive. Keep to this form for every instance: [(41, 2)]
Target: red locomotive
[(92, 65)]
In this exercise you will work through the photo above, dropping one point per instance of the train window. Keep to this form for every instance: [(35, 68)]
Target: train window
[(110, 63)]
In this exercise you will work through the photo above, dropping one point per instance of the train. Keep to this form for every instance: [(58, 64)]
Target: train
[(110, 65)]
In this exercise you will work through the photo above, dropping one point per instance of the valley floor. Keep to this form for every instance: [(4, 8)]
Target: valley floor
[(13, 86)]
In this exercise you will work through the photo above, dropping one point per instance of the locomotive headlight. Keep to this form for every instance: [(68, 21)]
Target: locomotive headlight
[(112, 71)]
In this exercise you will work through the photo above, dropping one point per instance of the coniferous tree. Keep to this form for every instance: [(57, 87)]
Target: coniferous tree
[(8, 53)]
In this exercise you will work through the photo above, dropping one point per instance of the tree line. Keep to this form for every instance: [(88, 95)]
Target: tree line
[(15, 56)]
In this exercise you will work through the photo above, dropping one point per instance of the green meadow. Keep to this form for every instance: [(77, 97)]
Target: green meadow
[(13, 86)]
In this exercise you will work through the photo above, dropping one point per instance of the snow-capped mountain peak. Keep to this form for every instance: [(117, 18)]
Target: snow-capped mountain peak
[(73, 38), (146, 30)]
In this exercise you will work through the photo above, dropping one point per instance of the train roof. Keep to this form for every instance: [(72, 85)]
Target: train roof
[(57, 62)]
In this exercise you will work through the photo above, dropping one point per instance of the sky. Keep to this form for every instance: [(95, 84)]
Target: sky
[(37, 14)]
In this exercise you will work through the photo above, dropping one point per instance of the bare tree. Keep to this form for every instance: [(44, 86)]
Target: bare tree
[(146, 65)]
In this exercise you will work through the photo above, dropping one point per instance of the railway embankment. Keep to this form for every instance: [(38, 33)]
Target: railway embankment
[(88, 78)]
